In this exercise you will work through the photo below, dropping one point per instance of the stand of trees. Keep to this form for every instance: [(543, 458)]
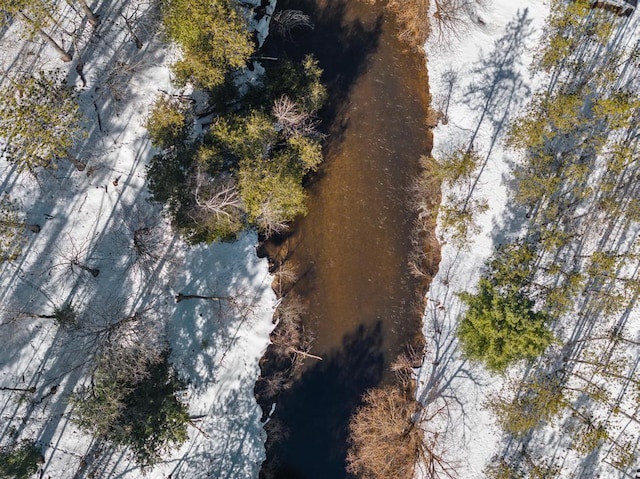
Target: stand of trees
[(248, 167), (577, 259)]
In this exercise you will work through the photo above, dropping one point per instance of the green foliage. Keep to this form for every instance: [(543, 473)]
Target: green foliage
[(168, 123), (537, 401), (308, 151), (166, 178), (500, 328), (213, 36), (501, 469), (39, 12), (565, 25), (512, 265), (457, 214), (39, 119), (272, 196), (270, 167), (299, 81), (458, 217), (20, 461), (249, 137), (590, 437), (142, 414), (616, 109), (460, 165)]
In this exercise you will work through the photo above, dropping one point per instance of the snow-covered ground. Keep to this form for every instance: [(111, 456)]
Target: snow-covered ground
[(89, 218), (481, 80)]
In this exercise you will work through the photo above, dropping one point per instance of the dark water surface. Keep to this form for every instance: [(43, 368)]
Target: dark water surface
[(351, 250)]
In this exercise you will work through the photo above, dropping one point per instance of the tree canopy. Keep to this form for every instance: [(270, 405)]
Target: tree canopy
[(500, 328), (213, 36), (39, 120)]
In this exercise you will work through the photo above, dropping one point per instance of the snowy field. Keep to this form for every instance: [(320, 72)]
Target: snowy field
[(84, 256), (481, 80)]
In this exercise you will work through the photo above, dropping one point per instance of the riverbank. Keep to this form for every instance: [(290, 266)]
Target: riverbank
[(351, 253)]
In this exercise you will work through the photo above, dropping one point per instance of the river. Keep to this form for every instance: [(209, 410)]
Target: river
[(351, 250)]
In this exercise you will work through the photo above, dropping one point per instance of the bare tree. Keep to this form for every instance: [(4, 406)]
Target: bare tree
[(451, 18), (72, 259), (388, 440), (289, 336), (144, 237), (217, 196), (271, 219), (93, 19), (392, 434), (413, 20), (284, 278), (290, 118), (284, 22)]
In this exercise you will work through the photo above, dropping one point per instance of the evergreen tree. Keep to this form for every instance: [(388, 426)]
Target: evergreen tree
[(39, 120), (140, 411), (20, 461), (213, 37), (501, 328), (168, 123)]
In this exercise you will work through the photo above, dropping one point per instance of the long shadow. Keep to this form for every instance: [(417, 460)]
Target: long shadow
[(313, 445), (592, 232)]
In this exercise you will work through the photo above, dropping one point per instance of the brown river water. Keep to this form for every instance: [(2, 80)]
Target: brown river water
[(351, 250)]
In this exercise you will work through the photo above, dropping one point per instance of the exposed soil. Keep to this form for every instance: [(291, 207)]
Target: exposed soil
[(351, 252)]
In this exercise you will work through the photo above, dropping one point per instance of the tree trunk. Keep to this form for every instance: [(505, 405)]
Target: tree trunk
[(93, 19), (64, 55), (94, 271), (182, 297), (80, 166)]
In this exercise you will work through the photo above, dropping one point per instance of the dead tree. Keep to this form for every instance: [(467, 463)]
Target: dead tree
[(72, 259), (181, 297), (291, 118), (284, 22), (218, 197)]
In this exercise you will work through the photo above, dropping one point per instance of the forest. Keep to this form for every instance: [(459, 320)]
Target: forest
[(135, 135)]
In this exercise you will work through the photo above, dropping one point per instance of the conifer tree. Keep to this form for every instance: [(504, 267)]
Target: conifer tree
[(213, 37), (39, 121), (500, 328)]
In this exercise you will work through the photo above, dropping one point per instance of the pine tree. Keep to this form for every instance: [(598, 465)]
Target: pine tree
[(39, 120), (142, 413), (213, 37), (500, 328)]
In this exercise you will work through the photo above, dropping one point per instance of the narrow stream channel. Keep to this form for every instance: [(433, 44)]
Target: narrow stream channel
[(352, 249)]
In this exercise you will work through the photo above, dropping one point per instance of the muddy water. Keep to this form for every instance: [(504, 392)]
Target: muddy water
[(351, 250)]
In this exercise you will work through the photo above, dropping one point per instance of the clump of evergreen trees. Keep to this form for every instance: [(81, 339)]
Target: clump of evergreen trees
[(247, 168)]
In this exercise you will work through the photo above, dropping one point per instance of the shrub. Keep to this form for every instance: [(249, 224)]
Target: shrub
[(386, 442)]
